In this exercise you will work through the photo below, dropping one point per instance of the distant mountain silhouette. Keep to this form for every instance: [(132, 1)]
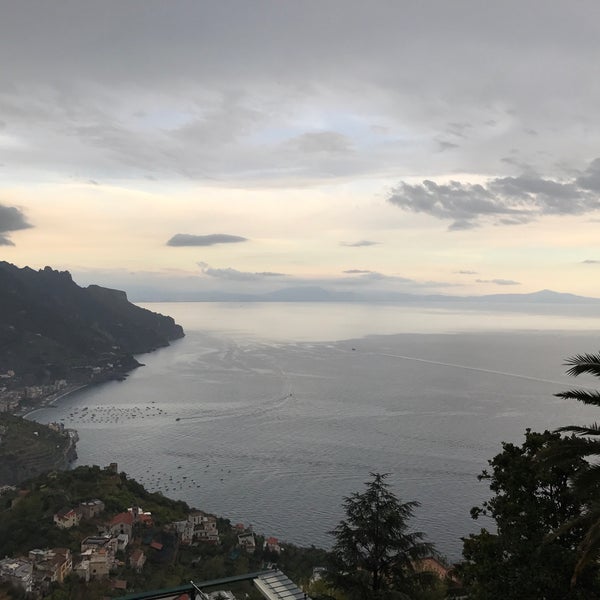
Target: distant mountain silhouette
[(312, 293), (50, 328), (543, 296)]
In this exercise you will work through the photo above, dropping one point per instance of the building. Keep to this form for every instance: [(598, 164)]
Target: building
[(51, 565), (184, 530), (272, 545), (430, 564), (99, 542), (137, 560), (82, 570), (121, 523), (90, 509), (18, 572), (272, 585), (66, 518), (205, 526), (94, 564), (247, 542), (141, 516), (122, 541)]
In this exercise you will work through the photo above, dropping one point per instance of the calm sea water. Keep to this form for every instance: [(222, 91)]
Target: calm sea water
[(270, 414)]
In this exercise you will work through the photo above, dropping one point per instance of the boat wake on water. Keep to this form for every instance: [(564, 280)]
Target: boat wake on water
[(467, 368), (265, 407)]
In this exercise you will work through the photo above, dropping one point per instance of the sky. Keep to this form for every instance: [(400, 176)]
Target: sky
[(186, 148)]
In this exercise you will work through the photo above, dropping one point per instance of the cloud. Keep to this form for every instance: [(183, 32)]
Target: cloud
[(590, 261), (356, 278), (329, 142), (590, 178), (501, 200), (234, 275), (354, 98), (11, 219), (369, 278), (185, 239), (466, 272), (359, 244), (445, 145), (499, 281), (184, 285)]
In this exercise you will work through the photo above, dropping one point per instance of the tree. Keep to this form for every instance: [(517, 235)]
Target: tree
[(530, 556), (583, 445), (374, 553)]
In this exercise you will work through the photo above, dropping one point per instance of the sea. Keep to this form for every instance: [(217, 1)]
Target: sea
[(270, 414)]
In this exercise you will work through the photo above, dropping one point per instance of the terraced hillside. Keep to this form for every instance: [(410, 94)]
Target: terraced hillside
[(28, 449)]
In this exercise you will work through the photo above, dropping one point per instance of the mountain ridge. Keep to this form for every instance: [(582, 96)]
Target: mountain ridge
[(320, 294), (52, 329)]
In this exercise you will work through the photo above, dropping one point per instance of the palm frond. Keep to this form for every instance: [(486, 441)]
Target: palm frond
[(588, 479), (588, 549), (584, 520), (583, 363), (593, 429), (585, 396)]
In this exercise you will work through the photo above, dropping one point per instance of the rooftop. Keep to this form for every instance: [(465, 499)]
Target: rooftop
[(273, 585)]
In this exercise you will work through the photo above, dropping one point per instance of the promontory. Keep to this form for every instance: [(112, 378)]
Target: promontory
[(56, 336)]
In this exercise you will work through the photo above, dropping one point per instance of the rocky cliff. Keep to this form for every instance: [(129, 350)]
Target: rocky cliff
[(50, 328)]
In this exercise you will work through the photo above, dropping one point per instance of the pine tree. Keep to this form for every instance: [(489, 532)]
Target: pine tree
[(374, 554)]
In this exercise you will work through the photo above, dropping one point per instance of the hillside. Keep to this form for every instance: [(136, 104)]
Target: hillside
[(26, 523), (29, 524), (51, 329), (28, 448)]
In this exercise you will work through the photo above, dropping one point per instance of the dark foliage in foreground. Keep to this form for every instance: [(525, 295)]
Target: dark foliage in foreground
[(584, 444), (531, 556)]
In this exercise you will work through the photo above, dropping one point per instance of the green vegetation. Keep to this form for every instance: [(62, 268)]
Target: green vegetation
[(528, 556), (585, 444), (546, 509), (26, 522), (21, 437), (29, 524), (28, 448)]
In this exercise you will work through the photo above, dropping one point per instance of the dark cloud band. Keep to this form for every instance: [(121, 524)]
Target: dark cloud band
[(499, 281), (359, 244), (234, 275), (11, 219), (185, 239), (503, 200)]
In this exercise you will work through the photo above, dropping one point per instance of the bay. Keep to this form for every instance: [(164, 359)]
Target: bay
[(270, 414)]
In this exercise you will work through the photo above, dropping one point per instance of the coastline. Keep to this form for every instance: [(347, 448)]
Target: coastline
[(53, 398)]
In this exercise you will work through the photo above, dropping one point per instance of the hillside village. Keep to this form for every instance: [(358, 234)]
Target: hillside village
[(124, 540), (107, 552)]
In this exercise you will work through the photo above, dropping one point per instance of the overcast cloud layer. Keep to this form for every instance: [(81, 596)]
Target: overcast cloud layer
[(297, 92)]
